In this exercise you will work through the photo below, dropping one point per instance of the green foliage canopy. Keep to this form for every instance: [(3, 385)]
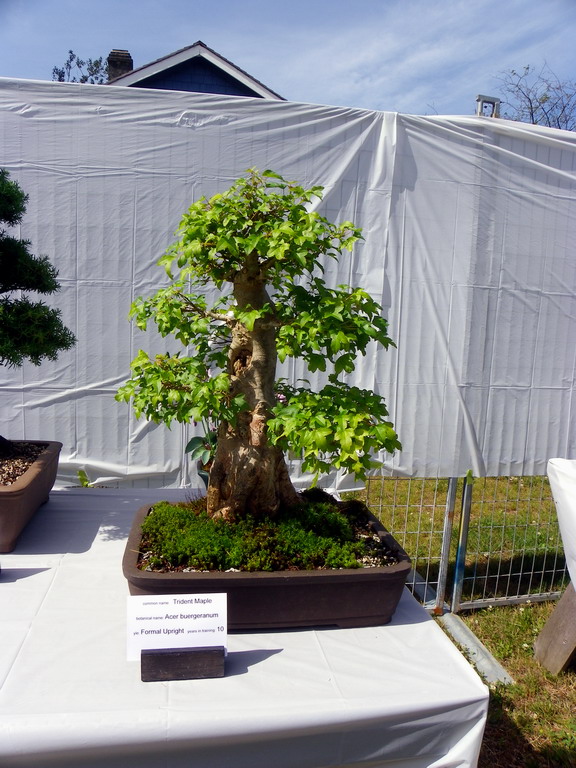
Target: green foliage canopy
[(29, 330), (263, 229)]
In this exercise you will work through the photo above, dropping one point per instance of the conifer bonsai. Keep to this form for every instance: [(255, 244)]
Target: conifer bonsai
[(261, 246), (29, 330)]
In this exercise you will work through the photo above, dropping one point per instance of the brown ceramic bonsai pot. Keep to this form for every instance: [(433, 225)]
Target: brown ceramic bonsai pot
[(19, 501), (360, 597)]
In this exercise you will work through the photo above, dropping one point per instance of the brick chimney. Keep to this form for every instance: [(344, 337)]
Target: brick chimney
[(119, 63)]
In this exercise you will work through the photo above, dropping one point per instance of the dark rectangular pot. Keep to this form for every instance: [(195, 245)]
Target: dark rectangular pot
[(19, 501), (354, 597)]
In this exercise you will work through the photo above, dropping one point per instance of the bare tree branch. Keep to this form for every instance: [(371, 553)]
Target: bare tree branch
[(76, 70), (539, 97)]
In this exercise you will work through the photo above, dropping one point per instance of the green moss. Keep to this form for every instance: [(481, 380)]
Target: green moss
[(315, 536)]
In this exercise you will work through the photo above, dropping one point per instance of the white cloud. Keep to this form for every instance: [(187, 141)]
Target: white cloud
[(404, 55)]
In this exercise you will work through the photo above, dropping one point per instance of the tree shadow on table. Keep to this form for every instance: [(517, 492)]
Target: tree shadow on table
[(11, 575), (59, 532), (71, 520), (238, 662)]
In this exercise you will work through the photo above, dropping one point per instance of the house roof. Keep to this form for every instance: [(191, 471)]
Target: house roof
[(184, 55)]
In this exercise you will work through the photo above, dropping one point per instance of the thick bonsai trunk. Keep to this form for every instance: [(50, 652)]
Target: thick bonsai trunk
[(248, 479), (249, 476)]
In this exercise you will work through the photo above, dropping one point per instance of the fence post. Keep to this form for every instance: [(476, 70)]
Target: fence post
[(462, 543), (446, 541)]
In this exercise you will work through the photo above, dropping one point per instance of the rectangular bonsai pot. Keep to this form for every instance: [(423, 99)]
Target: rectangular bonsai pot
[(19, 501), (351, 597)]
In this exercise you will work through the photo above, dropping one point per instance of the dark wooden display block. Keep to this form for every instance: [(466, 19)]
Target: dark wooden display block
[(555, 646), (182, 663)]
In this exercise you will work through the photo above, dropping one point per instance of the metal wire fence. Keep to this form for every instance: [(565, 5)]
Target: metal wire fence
[(477, 542)]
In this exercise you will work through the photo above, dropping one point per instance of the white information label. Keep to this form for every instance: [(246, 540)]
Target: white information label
[(175, 621)]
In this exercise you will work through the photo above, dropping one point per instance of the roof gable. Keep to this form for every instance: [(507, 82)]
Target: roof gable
[(196, 67)]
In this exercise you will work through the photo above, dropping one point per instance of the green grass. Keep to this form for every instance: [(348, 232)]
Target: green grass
[(532, 723)]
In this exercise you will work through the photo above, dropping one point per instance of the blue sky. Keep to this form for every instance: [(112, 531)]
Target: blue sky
[(414, 56)]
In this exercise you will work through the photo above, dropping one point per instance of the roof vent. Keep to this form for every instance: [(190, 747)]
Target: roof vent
[(119, 63), (487, 106)]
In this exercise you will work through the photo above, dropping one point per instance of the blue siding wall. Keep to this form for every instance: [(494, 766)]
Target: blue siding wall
[(197, 75)]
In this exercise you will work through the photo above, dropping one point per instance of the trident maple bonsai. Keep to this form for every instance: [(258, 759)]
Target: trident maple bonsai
[(262, 246)]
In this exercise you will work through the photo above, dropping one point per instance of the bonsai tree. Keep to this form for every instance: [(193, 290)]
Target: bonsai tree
[(29, 330), (261, 246)]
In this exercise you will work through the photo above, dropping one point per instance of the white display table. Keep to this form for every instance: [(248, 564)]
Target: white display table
[(399, 695)]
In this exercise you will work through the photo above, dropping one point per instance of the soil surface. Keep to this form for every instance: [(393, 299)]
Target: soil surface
[(17, 461)]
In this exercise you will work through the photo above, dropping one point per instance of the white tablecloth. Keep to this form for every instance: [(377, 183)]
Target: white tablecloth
[(399, 695), (562, 476)]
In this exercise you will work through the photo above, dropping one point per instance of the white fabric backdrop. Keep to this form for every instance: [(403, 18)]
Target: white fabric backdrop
[(469, 228)]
